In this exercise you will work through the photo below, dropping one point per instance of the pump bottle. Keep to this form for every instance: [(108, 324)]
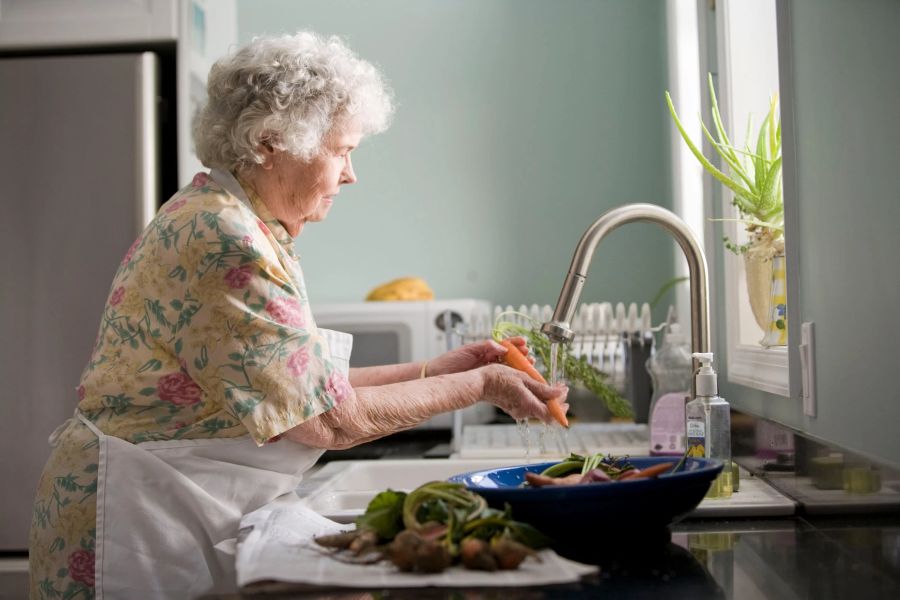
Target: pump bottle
[(708, 425)]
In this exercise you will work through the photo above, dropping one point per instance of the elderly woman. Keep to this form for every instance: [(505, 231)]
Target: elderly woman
[(210, 390)]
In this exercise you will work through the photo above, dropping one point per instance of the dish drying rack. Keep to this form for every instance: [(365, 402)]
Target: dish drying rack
[(616, 339)]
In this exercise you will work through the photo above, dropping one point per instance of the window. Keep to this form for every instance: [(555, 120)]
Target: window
[(747, 56), (736, 41)]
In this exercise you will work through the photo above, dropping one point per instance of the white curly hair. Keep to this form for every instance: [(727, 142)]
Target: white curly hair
[(288, 91)]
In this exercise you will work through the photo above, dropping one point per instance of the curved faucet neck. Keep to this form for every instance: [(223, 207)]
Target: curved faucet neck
[(559, 329)]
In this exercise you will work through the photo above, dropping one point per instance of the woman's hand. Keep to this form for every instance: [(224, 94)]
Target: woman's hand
[(519, 395), (472, 356)]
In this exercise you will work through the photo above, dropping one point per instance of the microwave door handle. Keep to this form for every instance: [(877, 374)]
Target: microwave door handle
[(457, 419)]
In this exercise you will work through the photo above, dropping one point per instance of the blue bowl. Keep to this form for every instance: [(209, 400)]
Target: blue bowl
[(571, 513)]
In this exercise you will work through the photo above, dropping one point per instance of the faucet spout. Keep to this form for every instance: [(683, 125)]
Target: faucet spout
[(559, 328)]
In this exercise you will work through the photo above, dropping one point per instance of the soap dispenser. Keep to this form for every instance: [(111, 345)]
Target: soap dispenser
[(708, 425)]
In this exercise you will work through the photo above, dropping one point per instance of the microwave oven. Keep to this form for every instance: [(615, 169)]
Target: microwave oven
[(408, 331)]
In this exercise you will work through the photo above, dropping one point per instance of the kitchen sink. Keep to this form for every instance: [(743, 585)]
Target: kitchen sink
[(341, 490)]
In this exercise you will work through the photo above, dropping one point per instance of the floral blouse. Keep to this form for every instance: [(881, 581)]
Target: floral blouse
[(207, 331)]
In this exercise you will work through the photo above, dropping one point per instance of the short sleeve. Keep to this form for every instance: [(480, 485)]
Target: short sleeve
[(252, 343)]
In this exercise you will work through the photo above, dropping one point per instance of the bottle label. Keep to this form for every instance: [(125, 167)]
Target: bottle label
[(667, 425), (696, 438)]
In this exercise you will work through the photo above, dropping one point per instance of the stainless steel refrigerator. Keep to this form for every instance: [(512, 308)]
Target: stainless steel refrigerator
[(80, 173)]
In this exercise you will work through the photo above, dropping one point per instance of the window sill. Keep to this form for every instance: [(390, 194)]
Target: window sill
[(760, 368)]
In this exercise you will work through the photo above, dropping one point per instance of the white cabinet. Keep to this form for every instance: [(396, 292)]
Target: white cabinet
[(201, 30), (42, 23), (207, 31)]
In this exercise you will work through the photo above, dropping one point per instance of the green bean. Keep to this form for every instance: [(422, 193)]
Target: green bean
[(563, 468)]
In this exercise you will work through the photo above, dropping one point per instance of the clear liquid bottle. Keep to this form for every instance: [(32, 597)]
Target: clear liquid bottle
[(708, 426), (670, 370)]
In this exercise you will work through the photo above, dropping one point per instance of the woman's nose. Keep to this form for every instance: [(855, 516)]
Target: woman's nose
[(347, 175)]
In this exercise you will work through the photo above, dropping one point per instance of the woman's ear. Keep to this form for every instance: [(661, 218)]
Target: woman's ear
[(268, 153)]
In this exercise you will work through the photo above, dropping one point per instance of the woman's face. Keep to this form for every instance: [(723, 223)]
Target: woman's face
[(296, 191)]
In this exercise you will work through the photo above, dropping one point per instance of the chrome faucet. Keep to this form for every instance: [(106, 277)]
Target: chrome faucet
[(559, 329)]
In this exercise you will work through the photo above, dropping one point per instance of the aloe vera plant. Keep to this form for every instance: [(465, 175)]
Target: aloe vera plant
[(755, 175)]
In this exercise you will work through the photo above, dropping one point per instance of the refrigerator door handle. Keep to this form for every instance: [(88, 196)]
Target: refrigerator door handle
[(147, 141)]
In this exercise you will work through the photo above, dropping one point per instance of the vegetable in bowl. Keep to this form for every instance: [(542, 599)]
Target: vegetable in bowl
[(597, 468), (571, 514)]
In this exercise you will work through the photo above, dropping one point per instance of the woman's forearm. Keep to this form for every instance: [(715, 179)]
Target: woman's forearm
[(373, 412), (384, 374)]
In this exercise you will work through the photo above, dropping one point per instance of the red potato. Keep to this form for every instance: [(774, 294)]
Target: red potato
[(595, 476), (476, 554)]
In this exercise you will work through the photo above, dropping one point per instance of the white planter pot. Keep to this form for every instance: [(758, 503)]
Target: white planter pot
[(767, 289)]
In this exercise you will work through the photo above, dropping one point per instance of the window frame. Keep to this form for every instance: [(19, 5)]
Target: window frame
[(765, 369)]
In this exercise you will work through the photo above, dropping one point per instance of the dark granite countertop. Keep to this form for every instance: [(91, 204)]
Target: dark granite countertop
[(855, 555), (848, 557)]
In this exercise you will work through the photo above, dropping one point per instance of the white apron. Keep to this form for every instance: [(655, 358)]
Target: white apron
[(163, 507)]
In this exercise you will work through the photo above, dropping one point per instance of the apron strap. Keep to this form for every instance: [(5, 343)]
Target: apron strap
[(90, 425)]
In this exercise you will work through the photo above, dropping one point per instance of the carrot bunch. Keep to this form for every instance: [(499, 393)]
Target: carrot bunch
[(515, 359)]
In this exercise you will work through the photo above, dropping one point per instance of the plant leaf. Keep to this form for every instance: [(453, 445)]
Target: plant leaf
[(774, 130), (728, 155), (384, 514), (768, 199), (722, 177), (760, 173), (665, 288), (717, 118)]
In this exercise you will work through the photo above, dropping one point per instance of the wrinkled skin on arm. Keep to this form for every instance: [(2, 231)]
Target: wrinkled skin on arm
[(464, 358), (472, 356), (376, 411)]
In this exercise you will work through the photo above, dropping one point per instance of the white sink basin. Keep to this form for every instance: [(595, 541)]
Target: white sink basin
[(341, 490)]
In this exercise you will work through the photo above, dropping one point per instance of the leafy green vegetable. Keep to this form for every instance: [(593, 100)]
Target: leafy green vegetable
[(431, 527), (433, 510), (489, 524), (384, 514), (566, 467), (454, 495), (465, 513), (528, 535), (576, 370)]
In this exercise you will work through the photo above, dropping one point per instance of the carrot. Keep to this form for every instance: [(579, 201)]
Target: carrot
[(652, 471), (515, 359)]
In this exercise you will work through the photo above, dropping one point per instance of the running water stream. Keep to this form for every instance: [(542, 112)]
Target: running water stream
[(559, 433), (557, 358)]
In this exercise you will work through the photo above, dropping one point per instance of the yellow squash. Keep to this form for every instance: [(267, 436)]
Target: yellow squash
[(405, 288)]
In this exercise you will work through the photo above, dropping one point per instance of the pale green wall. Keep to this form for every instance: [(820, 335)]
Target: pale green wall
[(847, 129), (519, 122)]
